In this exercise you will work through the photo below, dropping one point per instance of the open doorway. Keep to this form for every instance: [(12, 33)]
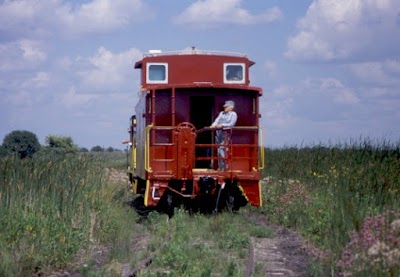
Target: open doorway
[(201, 115)]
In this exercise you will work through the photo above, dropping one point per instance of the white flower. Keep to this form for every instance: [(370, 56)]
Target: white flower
[(395, 225), (377, 249)]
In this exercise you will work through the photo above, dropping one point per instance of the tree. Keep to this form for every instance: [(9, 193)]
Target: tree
[(61, 144), (97, 148), (23, 143), (3, 151)]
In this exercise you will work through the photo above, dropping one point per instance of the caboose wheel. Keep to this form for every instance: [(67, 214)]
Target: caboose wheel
[(234, 198)]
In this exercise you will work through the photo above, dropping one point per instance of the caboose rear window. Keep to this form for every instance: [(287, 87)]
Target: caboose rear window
[(157, 73), (234, 73)]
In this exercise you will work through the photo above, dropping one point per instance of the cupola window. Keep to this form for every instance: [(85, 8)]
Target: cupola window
[(157, 73), (234, 73)]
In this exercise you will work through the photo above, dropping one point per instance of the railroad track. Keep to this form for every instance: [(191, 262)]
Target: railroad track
[(282, 255)]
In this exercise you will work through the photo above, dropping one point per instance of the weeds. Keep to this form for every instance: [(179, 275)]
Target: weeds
[(200, 245), (52, 207), (328, 193), (375, 247)]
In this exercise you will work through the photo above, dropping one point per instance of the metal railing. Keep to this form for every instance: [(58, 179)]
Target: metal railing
[(151, 140)]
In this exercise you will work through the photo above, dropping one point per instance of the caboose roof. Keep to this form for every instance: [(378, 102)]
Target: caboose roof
[(157, 55)]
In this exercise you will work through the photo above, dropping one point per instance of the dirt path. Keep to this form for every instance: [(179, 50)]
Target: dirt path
[(282, 255)]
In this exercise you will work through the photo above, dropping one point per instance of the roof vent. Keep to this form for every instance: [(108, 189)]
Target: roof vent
[(154, 51)]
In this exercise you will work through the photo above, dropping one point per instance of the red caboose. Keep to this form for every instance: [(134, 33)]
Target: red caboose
[(174, 152)]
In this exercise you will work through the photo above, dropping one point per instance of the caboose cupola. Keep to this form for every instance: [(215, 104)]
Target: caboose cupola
[(194, 67)]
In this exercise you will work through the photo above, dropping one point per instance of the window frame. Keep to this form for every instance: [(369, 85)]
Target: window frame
[(148, 81), (242, 81)]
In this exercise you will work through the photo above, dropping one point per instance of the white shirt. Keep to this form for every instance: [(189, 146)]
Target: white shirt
[(226, 119)]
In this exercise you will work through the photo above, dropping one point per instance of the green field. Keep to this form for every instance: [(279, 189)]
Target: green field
[(344, 200)]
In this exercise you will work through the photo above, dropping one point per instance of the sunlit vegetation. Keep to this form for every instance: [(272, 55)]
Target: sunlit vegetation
[(51, 208), (344, 199), (58, 202), (199, 245)]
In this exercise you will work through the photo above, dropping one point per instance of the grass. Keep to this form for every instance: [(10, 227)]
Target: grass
[(327, 193), (200, 245), (53, 207), (343, 198)]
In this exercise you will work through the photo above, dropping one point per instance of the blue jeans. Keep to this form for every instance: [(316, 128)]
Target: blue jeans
[(223, 139)]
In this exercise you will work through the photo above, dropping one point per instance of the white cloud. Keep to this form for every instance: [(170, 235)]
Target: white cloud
[(385, 73), (21, 55), (313, 100), (109, 71), (39, 80), (346, 29), (330, 88), (43, 18), (106, 15), (72, 99), (210, 13), (271, 69)]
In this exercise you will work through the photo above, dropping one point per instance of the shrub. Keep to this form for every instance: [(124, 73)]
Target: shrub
[(22, 143), (62, 144), (97, 148)]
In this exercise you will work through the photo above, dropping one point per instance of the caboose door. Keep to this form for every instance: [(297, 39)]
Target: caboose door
[(201, 115)]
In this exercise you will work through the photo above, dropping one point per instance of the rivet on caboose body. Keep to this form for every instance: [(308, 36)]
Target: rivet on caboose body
[(174, 153)]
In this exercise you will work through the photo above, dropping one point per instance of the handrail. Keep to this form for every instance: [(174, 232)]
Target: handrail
[(151, 127), (262, 149), (147, 149), (228, 128), (134, 157)]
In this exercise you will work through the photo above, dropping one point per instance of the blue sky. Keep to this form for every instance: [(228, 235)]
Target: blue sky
[(330, 69)]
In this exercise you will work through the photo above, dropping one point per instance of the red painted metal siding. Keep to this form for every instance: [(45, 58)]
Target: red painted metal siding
[(188, 69)]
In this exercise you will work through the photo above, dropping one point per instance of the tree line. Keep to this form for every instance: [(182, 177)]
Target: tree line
[(25, 144)]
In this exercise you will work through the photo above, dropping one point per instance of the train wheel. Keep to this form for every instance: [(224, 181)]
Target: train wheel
[(140, 208), (235, 198)]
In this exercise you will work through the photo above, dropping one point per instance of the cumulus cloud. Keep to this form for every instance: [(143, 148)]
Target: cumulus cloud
[(39, 18), (108, 71), (72, 99), (313, 100), (271, 70), (39, 80), (332, 89), (384, 73), (208, 13), (21, 55), (334, 30)]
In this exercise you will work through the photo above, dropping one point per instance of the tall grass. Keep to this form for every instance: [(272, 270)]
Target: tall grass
[(199, 245), (327, 192), (51, 207)]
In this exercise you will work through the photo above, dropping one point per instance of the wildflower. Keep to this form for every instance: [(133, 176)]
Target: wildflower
[(393, 258), (378, 249), (395, 225)]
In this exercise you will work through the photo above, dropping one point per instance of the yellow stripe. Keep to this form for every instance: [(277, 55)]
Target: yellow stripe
[(259, 189), (147, 149), (244, 194), (146, 194), (134, 186)]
